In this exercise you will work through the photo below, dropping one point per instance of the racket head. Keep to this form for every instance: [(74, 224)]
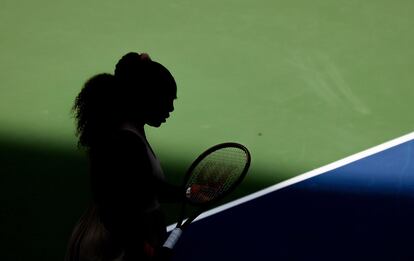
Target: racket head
[(215, 173)]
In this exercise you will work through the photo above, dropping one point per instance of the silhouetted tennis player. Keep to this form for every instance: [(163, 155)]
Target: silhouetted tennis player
[(125, 221)]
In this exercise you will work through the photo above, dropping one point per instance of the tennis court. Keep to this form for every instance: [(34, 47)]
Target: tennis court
[(358, 208), (300, 83)]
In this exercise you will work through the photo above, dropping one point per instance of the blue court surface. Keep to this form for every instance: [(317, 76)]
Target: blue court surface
[(359, 208)]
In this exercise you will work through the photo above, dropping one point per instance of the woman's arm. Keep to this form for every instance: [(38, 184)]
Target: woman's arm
[(169, 193)]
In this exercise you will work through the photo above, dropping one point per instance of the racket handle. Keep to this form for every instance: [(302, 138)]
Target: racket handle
[(173, 238)]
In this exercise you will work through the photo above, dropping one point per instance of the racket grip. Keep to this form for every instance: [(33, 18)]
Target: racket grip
[(173, 238)]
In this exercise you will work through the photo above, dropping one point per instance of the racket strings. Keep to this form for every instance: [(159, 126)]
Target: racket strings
[(216, 173)]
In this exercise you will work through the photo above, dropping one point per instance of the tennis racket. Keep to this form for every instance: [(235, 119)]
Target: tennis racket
[(213, 175)]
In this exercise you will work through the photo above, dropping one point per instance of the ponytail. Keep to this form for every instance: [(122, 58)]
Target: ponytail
[(92, 108)]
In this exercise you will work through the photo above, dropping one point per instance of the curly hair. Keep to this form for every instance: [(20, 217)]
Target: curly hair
[(106, 100)]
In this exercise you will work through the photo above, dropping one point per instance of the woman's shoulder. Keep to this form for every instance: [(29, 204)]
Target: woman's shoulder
[(126, 137), (119, 141)]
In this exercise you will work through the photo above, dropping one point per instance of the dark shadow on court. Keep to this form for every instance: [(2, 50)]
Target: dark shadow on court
[(44, 190)]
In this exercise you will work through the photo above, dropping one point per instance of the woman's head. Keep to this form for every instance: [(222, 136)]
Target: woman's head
[(140, 91), (148, 89)]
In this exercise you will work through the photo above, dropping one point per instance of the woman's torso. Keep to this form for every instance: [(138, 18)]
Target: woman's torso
[(124, 176)]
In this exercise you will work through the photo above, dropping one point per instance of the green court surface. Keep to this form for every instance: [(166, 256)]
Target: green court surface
[(300, 83)]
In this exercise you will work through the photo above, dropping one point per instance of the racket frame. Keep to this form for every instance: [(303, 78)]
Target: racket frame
[(205, 205)]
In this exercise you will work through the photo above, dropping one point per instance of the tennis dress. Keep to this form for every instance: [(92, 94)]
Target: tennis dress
[(124, 221), (127, 180)]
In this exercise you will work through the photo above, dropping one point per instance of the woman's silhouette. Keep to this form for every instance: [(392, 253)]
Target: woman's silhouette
[(124, 221)]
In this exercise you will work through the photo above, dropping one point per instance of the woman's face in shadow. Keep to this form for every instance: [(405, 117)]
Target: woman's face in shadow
[(159, 110)]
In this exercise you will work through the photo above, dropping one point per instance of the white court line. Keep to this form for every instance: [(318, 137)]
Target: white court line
[(307, 175)]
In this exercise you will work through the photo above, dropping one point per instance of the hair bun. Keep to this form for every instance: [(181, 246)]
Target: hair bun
[(145, 57), (131, 64)]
